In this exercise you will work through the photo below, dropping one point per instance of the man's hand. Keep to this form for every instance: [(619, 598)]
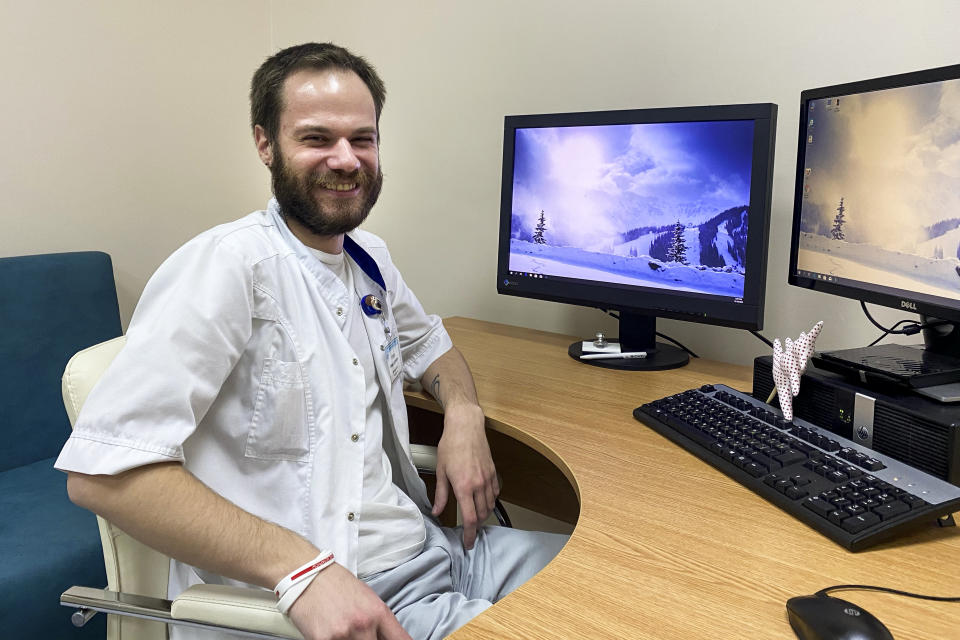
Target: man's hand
[(338, 606), (465, 464)]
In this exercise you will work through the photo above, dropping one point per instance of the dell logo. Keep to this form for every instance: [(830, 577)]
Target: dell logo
[(906, 304), (863, 433)]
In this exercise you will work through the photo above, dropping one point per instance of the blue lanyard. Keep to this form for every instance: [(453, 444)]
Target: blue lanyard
[(370, 304)]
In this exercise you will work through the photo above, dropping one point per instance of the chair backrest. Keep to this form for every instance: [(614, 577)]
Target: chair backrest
[(51, 306), (132, 567)]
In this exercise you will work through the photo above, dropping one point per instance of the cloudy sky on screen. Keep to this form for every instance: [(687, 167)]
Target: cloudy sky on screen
[(595, 182), (893, 156)]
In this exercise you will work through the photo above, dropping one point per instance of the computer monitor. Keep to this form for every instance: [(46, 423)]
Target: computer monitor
[(877, 202), (651, 212)]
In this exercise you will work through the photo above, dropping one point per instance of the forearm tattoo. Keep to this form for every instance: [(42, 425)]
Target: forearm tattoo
[(435, 388)]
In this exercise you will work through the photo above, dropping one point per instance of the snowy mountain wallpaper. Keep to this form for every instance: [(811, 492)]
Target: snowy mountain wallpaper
[(661, 205), (882, 189)]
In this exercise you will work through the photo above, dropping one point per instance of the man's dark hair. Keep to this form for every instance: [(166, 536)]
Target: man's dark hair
[(266, 89)]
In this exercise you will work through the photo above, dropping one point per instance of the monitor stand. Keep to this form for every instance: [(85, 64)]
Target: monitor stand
[(638, 333), (944, 340)]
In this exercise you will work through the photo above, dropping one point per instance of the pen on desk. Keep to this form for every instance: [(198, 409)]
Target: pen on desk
[(627, 355)]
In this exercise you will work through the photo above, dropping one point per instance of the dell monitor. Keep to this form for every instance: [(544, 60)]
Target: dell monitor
[(877, 209), (650, 212)]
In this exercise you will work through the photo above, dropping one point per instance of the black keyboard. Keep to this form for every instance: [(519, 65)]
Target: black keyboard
[(851, 494)]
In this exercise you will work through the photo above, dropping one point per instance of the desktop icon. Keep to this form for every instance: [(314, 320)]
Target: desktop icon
[(809, 139)]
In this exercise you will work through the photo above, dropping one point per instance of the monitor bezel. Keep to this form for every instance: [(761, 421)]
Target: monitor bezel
[(653, 301), (912, 302)]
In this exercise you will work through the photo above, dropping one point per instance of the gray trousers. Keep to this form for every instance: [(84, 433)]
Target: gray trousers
[(445, 586), (441, 589)]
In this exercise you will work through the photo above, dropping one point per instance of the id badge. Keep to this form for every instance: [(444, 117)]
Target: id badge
[(394, 362)]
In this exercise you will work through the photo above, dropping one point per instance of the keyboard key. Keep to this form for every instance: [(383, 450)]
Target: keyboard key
[(837, 516), (874, 465), (851, 471), (790, 456), (803, 446), (822, 469), (799, 480), (847, 453), (856, 524), (772, 479), (765, 460), (796, 493), (830, 445), (755, 469), (819, 506), (836, 476), (913, 501), (891, 509)]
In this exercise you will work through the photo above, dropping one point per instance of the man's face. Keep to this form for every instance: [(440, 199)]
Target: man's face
[(325, 162)]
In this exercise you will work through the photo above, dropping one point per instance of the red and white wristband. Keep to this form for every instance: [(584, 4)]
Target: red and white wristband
[(297, 581)]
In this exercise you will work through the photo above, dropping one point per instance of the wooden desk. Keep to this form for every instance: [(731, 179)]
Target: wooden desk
[(650, 556)]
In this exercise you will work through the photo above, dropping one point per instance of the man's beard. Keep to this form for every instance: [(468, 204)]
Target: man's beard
[(295, 195)]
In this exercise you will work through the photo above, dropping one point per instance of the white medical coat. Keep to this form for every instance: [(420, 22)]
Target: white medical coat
[(236, 365)]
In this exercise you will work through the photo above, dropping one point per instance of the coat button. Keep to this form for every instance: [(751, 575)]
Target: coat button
[(339, 311), (355, 437), (356, 362), (351, 517)]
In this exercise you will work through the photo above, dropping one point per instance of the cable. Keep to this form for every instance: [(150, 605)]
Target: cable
[(665, 337), (886, 333), (762, 339), (668, 338), (912, 326), (866, 587)]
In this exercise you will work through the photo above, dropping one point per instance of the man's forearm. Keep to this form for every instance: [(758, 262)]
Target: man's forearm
[(167, 508), (448, 379)]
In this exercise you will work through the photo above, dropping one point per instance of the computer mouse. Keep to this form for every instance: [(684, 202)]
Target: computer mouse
[(827, 618)]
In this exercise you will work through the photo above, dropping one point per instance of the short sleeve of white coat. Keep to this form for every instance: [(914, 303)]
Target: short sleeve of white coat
[(422, 336), (187, 333)]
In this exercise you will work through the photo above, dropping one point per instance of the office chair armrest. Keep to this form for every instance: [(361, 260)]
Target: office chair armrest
[(252, 612), (227, 606), (424, 458)]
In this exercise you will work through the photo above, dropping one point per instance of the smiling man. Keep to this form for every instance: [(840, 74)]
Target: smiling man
[(254, 427)]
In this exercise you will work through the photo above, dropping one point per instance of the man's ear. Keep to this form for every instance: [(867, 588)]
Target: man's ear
[(264, 147)]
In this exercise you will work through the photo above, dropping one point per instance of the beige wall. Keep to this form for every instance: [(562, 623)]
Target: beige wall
[(125, 126), (128, 121)]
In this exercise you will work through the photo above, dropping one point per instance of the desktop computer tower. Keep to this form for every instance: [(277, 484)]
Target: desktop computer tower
[(895, 422)]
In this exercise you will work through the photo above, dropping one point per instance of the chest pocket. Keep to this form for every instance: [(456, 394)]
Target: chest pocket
[(279, 428)]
